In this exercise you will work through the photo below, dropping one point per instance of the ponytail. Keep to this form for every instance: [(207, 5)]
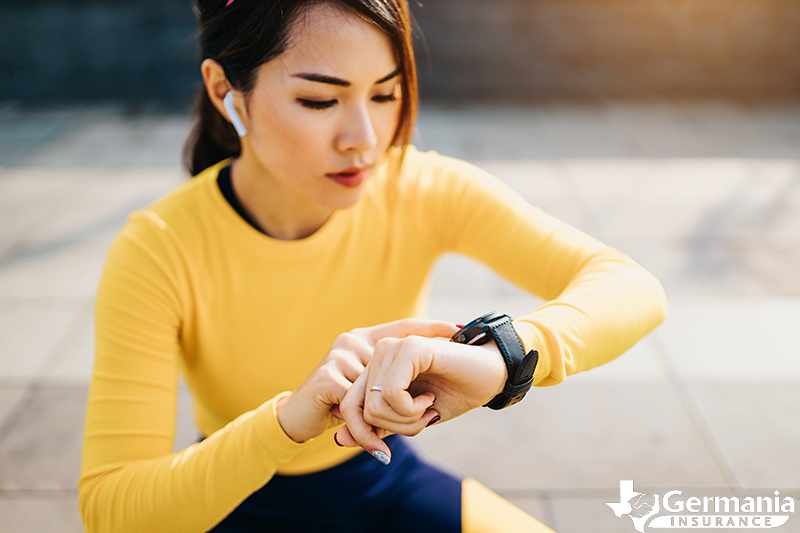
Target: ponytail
[(212, 138)]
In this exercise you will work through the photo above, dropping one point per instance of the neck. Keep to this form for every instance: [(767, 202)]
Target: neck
[(280, 212)]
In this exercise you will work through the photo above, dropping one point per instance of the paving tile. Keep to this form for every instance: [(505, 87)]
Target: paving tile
[(691, 200), (614, 129), (640, 363), (18, 216), (775, 265), (578, 435), (81, 203), (758, 427), (709, 267), (734, 339), (545, 185), (73, 359), (41, 450), (453, 272), (41, 515), (459, 310), (35, 122), (10, 395), (186, 433), (104, 146), (539, 508), (29, 332), (648, 199), (53, 269), (579, 515), (14, 147)]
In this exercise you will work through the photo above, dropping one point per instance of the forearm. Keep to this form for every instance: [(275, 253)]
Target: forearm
[(191, 490), (608, 306)]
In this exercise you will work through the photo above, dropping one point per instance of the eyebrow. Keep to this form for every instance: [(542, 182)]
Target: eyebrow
[(332, 80)]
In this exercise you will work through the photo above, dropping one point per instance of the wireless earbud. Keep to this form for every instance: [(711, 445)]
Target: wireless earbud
[(233, 115)]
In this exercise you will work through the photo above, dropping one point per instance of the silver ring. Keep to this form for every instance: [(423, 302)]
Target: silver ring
[(377, 388)]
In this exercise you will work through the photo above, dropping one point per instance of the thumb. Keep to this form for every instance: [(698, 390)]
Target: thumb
[(412, 326), (358, 432)]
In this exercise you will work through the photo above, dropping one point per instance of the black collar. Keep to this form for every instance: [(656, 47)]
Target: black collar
[(226, 188)]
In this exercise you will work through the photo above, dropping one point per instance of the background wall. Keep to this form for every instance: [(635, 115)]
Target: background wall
[(612, 47), (498, 49), (97, 48)]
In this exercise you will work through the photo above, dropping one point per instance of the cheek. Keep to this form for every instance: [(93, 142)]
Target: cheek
[(286, 137), (392, 121)]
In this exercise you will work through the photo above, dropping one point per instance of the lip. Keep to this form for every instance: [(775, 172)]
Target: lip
[(350, 177)]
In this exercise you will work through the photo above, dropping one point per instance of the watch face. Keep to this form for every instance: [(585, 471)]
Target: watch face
[(475, 332)]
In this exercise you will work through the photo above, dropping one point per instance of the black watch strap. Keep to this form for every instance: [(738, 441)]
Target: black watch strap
[(520, 365)]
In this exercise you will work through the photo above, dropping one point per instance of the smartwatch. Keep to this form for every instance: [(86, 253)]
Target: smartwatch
[(497, 326)]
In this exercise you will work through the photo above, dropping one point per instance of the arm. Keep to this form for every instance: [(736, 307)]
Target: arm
[(600, 302), (129, 479)]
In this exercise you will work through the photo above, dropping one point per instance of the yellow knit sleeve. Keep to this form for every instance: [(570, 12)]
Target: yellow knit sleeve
[(130, 480), (599, 301)]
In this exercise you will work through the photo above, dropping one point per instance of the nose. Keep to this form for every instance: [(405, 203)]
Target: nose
[(357, 132)]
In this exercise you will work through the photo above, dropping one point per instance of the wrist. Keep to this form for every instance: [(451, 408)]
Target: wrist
[(520, 365), (283, 413), (498, 375)]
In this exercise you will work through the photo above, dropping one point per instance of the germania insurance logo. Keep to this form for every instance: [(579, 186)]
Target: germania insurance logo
[(678, 512)]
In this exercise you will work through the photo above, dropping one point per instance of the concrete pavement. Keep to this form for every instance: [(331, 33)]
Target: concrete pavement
[(705, 195)]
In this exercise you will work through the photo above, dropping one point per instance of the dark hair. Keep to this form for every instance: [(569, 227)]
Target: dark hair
[(246, 34)]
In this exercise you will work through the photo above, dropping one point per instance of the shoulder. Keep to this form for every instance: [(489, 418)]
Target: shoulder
[(162, 237), (186, 204), (424, 166), (444, 179), (180, 213)]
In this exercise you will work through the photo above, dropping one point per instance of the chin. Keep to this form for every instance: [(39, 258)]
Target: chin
[(345, 200)]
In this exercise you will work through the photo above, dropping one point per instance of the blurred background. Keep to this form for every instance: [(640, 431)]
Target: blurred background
[(670, 129)]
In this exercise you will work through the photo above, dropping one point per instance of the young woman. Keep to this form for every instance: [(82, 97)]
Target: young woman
[(285, 282)]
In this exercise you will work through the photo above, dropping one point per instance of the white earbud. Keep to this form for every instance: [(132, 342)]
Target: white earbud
[(233, 115)]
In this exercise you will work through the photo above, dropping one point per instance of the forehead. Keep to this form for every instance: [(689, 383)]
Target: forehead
[(326, 39)]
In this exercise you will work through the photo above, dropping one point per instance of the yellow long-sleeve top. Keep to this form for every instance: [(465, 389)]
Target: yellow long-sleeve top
[(190, 287)]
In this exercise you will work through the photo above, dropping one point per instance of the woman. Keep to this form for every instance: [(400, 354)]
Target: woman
[(282, 281)]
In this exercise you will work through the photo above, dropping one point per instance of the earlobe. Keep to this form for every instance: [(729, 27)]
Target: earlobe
[(233, 115)]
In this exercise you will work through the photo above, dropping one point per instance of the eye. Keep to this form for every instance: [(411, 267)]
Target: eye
[(316, 104), (381, 98)]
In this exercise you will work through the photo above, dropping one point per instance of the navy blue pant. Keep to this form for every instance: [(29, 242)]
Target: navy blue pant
[(359, 495)]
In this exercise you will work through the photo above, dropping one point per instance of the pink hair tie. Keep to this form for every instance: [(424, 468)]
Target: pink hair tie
[(229, 3)]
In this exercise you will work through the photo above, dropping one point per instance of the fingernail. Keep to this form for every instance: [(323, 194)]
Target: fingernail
[(459, 326), (434, 420), (336, 440), (382, 457)]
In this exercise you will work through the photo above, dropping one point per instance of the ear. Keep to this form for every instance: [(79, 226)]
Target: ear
[(217, 86)]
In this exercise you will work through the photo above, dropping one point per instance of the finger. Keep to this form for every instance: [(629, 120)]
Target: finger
[(336, 386), (412, 358), (344, 438), (376, 409), (359, 346), (428, 417), (411, 326), (362, 432), (348, 363), (381, 415)]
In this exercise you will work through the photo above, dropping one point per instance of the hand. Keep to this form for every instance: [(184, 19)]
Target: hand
[(422, 379), (314, 406)]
